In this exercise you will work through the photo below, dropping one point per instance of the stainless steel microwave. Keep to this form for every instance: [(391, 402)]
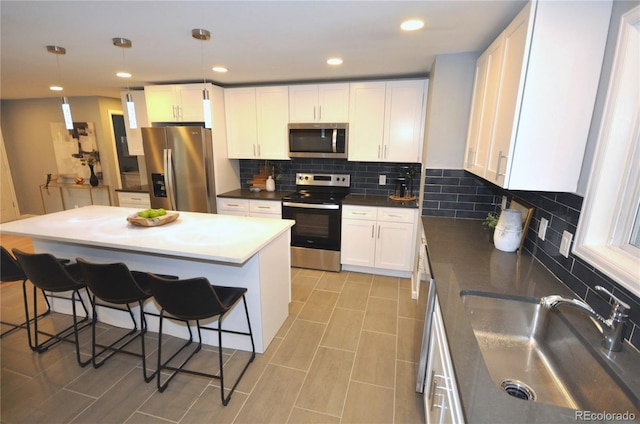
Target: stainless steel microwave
[(320, 140)]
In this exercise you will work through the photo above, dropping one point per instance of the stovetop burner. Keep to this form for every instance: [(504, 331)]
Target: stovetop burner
[(320, 188)]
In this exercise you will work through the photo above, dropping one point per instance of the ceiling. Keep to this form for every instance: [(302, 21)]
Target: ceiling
[(258, 41)]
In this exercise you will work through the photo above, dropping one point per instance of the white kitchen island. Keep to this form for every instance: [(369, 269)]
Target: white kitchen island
[(228, 250)]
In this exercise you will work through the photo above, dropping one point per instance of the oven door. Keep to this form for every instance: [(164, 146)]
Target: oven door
[(317, 226)]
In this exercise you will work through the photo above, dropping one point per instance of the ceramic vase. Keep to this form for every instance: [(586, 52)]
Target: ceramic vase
[(271, 184), (508, 231), (93, 180)]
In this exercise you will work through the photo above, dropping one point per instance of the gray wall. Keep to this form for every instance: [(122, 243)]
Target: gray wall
[(27, 137), (448, 108)]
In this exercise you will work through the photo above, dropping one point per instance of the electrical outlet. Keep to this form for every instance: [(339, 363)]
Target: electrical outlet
[(504, 202), (542, 228), (382, 180), (565, 243)]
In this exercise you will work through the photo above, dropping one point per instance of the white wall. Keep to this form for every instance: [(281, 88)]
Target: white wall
[(448, 107), (27, 137)]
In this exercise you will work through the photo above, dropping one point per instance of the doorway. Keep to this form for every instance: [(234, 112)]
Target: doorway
[(127, 164)]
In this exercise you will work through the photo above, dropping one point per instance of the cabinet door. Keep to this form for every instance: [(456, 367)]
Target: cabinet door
[(189, 102), (333, 103), (435, 397), (515, 39), (303, 103), (134, 136), (358, 243), (394, 246), (366, 121), (404, 114), (242, 129), (161, 103), (272, 109), (488, 74)]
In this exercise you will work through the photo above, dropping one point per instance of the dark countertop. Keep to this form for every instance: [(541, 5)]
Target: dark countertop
[(463, 258), (135, 189), (352, 199), (245, 193), (371, 200)]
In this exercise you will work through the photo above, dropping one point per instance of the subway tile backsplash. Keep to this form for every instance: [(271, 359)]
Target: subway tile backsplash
[(364, 175), (460, 194)]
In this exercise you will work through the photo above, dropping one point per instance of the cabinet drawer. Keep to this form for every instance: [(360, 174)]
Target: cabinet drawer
[(134, 200), (265, 206), (359, 212), (233, 205), (396, 215)]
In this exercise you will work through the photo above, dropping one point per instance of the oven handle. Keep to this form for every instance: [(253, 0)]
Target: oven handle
[(334, 140), (310, 205)]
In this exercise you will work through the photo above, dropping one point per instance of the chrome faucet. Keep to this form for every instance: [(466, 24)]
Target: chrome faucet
[(611, 328)]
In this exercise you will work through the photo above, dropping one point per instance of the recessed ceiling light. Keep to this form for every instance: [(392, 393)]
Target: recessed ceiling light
[(334, 61), (122, 74), (55, 88), (219, 69), (412, 24)]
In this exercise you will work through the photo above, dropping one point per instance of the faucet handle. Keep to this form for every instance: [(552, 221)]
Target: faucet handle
[(620, 308)]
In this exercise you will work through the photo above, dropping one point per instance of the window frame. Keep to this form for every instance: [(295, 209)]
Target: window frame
[(613, 193)]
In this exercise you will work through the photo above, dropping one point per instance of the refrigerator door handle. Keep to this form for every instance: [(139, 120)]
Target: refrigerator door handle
[(168, 177)]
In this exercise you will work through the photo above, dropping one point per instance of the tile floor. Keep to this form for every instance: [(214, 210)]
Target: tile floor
[(347, 353)]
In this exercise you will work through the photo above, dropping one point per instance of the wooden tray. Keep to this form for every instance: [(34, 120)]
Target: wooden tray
[(153, 222), (402, 199)]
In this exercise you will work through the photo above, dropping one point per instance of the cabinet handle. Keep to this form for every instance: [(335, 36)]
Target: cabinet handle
[(372, 230), (386, 151), (378, 231), (254, 150), (314, 113), (358, 213), (264, 207), (320, 112), (500, 157), (395, 216), (233, 205), (379, 157), (259, 152)]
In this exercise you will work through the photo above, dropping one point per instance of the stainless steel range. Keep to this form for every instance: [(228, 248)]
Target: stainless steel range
[(316, 207)]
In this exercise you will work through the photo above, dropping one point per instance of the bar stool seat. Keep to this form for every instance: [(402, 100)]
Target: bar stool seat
[(197, 299), (47, 273), (10, 271)]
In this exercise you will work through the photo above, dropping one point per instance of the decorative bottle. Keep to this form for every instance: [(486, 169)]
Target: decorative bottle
[(508, 232)]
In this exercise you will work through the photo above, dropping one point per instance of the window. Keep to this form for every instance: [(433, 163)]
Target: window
[(608, 232)]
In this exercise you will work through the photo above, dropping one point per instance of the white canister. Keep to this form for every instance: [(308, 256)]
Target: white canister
[(271, 184), (508, 231)]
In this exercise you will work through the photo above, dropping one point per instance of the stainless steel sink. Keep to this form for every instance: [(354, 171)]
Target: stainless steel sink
[(535, 354)]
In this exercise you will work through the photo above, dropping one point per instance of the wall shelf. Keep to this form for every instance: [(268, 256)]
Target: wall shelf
[(59, 197)]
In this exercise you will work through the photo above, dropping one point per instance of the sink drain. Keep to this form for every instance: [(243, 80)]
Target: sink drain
[(518, 389)]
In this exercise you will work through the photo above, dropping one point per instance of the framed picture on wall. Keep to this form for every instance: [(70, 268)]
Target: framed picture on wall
[(527, 213)]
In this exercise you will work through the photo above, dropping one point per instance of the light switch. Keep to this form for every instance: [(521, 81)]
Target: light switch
[(565, 243), (542, 229)]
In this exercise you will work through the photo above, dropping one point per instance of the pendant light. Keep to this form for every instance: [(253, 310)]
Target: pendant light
[(66, 109), (204, 35), (131, 109)]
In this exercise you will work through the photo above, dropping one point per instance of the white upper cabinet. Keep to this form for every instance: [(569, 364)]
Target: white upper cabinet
[(257, 119), (134, 136), (529, 132), (386, 121), (175, 103), (319, 103)]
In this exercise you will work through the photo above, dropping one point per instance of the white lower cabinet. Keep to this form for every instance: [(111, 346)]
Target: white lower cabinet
[(133, 200), (250, 207), (441, 399), (378, 237)]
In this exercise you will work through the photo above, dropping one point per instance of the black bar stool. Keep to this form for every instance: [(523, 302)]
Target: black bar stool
[(115, 284), (47, 273), (10, 271), (196, 299)]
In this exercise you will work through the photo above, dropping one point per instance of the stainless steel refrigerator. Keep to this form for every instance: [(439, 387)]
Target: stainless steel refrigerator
[(180, 168)]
